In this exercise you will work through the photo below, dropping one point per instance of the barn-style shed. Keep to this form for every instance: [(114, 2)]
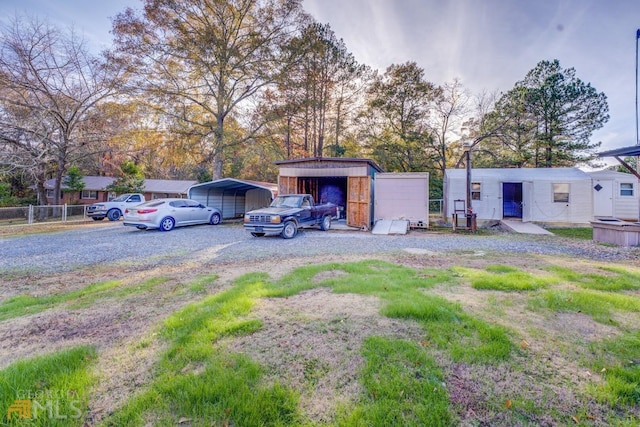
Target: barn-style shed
[(544, 195), (234, 197), (346, 182)]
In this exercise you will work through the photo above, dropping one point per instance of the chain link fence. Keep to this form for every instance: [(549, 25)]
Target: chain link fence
[(42, 214)]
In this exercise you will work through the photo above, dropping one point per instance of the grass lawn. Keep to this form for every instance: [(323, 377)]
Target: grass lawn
[(580, 233), (546, 342)]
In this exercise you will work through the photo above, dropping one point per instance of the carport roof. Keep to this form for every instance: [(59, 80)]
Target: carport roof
[(633, 150), (233, 184)]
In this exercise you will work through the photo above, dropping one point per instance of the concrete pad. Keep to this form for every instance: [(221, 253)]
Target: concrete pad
[(524, 227)]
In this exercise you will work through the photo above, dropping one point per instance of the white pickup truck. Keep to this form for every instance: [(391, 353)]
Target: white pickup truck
[(114, 208)]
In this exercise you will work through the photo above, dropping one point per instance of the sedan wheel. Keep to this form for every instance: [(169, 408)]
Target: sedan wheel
[(114, 214), (215, 219), (290, 230), (167, 224)]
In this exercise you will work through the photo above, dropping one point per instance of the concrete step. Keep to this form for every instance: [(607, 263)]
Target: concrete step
[(524, 227)]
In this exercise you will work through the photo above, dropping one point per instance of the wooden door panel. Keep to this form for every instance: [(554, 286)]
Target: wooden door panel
[(358, 201), (287, 185)]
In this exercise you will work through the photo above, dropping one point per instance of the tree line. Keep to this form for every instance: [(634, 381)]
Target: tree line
[(203, 89)]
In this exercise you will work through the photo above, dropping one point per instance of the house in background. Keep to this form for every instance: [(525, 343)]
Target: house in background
[(558, 196), (95, 190), (615, 194)]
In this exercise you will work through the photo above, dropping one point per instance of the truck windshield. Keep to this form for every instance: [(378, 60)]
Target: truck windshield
[(121, 198), (286, 202)]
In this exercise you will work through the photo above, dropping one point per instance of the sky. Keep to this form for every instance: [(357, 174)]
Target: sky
[(488, 45)]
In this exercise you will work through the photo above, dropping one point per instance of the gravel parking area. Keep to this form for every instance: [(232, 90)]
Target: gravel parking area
[(114, 243)]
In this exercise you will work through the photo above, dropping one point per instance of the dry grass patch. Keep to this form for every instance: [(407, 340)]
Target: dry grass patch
[(312, 342)]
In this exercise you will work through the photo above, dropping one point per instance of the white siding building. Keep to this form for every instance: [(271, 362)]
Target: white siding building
[(402, 196), (615, 194), (544, 195)]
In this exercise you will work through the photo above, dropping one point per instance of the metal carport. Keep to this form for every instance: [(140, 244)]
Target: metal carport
[(233, 196)]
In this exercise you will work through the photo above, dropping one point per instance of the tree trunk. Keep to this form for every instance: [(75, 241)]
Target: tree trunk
[(218, 161)]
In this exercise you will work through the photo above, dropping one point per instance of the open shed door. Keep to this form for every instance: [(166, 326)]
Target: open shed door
[(527, 201), (359, 201), (287, 185)]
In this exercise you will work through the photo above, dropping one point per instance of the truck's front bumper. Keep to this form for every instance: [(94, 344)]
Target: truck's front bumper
[(264, 228), (97, 213)]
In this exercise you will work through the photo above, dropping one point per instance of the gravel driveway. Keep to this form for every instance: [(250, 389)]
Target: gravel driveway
[(112, 242)]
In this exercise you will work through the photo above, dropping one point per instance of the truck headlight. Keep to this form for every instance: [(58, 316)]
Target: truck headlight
[(275, 219), (247, 218)]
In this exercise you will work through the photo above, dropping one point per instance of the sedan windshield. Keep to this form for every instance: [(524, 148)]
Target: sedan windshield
[(286, 202)]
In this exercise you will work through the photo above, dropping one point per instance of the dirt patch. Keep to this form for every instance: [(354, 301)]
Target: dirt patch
[(311, 342), (328, 275), (122, 371)]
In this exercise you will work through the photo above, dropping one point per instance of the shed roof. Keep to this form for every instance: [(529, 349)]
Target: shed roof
[(520, 174), (233, 184), (330, 159)]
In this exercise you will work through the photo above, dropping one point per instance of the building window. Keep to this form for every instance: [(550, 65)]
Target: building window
[(561, 193), (49, 193), (89, 194), (475, 191), (626, 189)]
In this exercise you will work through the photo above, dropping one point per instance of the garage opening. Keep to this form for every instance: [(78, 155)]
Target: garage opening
[(327, 190)]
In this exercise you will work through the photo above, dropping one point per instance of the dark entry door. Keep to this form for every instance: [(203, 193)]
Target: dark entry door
[(512, 200)]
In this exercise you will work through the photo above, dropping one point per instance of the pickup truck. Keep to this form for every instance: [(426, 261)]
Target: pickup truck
[(287, 213), (114, 208)]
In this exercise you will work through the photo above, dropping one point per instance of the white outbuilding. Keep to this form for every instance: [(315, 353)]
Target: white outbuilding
[(615, 194), (544, 195)]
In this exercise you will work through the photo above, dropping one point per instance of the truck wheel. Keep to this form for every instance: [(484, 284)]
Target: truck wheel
[(290, 230), (114, 214), (96, 218), (326, 223), (257, 234), (167, 224)]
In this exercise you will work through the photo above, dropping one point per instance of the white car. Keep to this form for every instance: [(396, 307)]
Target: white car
[(165, 214)]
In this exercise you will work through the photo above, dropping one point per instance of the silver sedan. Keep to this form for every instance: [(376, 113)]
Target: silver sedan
[(165, 214)]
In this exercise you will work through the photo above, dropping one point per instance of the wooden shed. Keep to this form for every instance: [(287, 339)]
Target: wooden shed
[(346, 182)]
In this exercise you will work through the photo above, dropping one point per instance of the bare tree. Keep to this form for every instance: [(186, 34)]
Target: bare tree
[(50, 88), (450, 109), (202, 60)]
